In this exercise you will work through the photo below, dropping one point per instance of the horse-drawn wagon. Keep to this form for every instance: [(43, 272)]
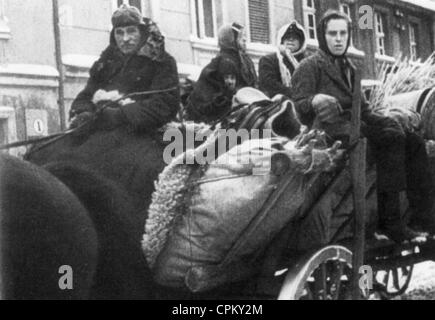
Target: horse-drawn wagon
[(324, 246), (318, 243)]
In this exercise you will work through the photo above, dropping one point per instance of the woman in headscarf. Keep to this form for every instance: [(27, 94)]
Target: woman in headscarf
[(212, 95), (323, 89), (276, 69)]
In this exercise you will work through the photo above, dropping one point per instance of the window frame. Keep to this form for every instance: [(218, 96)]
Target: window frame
[(199, 21), (413, 41), (248, 22), (349, 15), (7, 114), (307, 12), (142, 4), (345, 5), (5, 31), (380, 35)]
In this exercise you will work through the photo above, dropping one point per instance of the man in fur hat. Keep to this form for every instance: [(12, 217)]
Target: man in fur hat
[(134, 62), (276, 69), (323, 89)]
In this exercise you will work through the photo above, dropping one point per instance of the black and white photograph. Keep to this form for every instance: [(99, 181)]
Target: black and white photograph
[(230, 151)]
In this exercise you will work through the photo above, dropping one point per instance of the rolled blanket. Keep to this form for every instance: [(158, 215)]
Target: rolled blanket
[(167, 204)]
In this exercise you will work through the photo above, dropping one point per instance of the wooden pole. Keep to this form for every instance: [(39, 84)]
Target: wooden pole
[(358, 174), (59, 64)]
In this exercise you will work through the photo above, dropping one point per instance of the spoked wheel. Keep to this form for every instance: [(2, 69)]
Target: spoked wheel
[(326, 275), (393, 282)]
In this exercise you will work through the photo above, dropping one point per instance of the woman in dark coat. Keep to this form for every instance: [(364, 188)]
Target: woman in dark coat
[(133, 62), (323, 88), (211, 99), (276, 69)]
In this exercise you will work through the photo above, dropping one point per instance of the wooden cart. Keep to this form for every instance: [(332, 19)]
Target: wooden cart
[(340, 261)]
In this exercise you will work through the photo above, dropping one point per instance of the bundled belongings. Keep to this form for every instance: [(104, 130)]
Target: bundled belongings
[(252, 110), (207, 225), (407, 94)]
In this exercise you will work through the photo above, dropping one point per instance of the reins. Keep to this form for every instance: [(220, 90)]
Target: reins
[(57, 136)]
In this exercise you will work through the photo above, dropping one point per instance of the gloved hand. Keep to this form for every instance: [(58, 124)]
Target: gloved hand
[(327, 108), (103, 95), (81, 119), (381, 130), (111, 118)]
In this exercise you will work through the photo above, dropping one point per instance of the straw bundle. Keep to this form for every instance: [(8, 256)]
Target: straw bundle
[(402, 77), (398, 81)]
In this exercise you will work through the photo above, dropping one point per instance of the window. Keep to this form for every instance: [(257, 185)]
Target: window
[(310, 18), (380, 33), (134, 3), (4, 132), (346, 9), (8, 129), (413, 41), (259, 28), (206, 24), (5, 31)]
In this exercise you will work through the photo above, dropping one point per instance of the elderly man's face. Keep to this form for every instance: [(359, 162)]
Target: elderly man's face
[(337, 36), (128, 39)]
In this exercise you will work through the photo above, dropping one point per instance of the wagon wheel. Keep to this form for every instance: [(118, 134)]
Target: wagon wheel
[(326, 275), (393, 282)]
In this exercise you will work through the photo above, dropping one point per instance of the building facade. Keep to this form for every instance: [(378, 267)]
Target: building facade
[(29, 78)]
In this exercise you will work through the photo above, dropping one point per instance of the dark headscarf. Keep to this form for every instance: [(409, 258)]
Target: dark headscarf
[(228, 36), (342, 61), (321, 30)]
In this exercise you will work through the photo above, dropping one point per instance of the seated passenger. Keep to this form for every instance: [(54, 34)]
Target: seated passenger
[(134, 62), (276, 69), (323, 88), (211, 99)]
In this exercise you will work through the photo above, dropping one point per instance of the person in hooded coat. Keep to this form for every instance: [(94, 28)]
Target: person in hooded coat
[(211, 99), (134, 62), (322, 91), (276, 69)]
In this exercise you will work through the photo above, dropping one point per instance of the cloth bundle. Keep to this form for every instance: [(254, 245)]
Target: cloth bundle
[(205, 218)]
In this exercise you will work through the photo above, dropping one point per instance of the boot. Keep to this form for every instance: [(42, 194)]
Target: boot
[(391, 222), (423, 213)]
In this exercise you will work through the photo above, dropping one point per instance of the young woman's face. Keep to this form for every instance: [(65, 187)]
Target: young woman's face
[(230, 81), (337, 36), (292, 43), (128, 39)]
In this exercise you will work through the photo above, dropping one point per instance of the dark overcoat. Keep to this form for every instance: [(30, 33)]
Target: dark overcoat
[(394, 149), (210, 100), (135, 74), (270, 76)]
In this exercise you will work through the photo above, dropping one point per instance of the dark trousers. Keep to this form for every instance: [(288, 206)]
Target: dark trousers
[(402, 165), (401, 160)]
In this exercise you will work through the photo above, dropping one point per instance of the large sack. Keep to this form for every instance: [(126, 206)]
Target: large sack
[(231, 212)]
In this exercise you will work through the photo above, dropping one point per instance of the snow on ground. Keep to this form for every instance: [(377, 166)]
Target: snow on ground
[(422, 286)]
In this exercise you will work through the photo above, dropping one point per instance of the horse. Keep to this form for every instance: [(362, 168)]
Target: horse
[(87, 223), (112, 174), (43, 227)]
